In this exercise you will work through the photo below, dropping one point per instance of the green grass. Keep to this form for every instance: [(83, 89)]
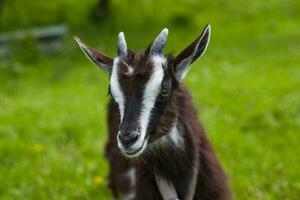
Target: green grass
[(246, 88)]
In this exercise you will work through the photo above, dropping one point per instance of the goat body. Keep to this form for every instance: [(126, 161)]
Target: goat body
[(171, 160), (157, 148)]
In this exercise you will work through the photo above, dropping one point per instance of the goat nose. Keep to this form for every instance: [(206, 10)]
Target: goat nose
[(128, 139)]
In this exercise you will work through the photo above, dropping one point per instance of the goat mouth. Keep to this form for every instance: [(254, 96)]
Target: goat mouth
[(137, 152)]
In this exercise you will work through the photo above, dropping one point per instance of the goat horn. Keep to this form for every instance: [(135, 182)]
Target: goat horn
[(159, 43), (122, 46)]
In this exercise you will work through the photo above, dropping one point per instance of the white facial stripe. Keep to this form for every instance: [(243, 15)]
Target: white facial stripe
[(116, 89), (151, 91)]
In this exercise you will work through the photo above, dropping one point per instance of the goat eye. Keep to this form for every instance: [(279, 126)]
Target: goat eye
[(164, 92)]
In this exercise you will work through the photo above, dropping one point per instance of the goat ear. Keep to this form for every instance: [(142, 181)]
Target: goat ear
[(96, 57), (195, 50)]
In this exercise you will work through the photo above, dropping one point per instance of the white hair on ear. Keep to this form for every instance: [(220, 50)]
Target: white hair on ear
[(85, 49), (184, 66), (93, 55)]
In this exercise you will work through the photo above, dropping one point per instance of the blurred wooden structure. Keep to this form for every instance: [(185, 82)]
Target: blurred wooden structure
[(46, 39)]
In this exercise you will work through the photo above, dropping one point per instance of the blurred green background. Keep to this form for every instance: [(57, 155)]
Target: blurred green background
[(246, 88)]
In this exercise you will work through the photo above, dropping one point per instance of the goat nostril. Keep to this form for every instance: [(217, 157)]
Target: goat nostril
[(128, 139)]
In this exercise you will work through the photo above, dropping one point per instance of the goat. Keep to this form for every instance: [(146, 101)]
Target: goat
[(165, 153)]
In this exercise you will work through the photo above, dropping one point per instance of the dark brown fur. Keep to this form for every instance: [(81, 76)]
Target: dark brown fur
[(162, 156), (174, 164)]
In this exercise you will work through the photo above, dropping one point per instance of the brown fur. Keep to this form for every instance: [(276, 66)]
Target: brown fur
[(172, 163), (175, 163)]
